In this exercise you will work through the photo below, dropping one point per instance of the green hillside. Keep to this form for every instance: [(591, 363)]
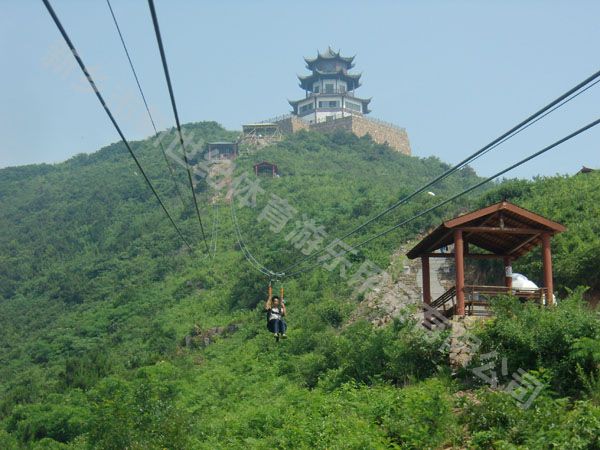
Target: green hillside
[(113, 335)]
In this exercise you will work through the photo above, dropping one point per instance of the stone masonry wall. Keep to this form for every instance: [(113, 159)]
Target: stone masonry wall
[(345, 124), (292, 124), (381, 133)]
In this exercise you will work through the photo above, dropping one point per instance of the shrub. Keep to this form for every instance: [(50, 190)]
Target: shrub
[(414, 417), (57, 418), (138, 414), (495, 421), (533, 338)]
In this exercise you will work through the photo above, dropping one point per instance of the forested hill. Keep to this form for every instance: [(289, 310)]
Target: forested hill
[(114, 335)]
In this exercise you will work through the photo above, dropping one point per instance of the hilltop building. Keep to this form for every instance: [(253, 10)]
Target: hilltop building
[(330, 104), (329, 89)]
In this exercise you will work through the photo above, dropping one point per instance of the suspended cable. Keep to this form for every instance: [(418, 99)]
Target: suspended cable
[(538, 119), (454, 197), (110, 116), (162, 148), (502, 138), (213, 233), (247, 254), (215, 230), (174, 105)]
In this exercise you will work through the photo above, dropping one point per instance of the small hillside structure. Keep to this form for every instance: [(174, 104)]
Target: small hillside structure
[(265, 168), (502, 231), (221, 150), (260, 134)]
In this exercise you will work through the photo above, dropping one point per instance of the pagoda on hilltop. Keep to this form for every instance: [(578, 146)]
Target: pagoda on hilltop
[(329, 89), (329, 105)]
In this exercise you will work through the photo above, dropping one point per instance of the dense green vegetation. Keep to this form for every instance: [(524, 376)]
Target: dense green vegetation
[(105, 317)]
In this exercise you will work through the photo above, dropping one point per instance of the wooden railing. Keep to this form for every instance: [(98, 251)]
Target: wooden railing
[(477, 298), (494, 291)]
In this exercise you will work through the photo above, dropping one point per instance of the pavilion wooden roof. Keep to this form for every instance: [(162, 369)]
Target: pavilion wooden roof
[(265, 164), (502, 229), (222, 143)]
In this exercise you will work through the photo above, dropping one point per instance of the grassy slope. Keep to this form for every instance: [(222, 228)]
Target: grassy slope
[(95, 283), (98, 296)]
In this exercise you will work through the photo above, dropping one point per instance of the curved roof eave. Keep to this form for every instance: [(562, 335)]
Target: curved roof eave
[(328, 55), (339, 72)]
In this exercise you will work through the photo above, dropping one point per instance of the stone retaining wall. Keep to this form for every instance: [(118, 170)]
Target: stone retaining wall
[(292, 124), (396, 138), (381, 133)]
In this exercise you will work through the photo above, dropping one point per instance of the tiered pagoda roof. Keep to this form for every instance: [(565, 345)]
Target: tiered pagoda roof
[(364, 102), (329, 55), (330, 72), (329, 64), (352, 79)]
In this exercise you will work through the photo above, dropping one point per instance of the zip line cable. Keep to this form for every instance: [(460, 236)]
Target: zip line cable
[(502, 138), (110, 116), (247, 254), (539, 118), (454, 197), (214, 233), (137, 81), (174, 105)]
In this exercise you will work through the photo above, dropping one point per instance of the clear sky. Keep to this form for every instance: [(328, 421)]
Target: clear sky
[(455, 74)]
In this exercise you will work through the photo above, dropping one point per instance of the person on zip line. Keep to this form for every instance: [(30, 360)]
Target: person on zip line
[(275, 313)]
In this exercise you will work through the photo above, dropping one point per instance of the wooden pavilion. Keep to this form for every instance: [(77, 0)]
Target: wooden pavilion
[(503, 231), (265, 168), (222, 150)]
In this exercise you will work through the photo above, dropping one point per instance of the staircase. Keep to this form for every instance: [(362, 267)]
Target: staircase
[(446, 302)]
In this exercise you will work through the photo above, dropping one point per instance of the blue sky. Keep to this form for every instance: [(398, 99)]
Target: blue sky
[(454, 74)]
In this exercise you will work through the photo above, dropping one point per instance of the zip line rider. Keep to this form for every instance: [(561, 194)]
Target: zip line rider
[(275, 312)]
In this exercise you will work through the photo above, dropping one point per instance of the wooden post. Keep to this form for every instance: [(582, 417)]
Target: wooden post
[(547, 260), (426, 280), (507, 272), (459, 261)]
